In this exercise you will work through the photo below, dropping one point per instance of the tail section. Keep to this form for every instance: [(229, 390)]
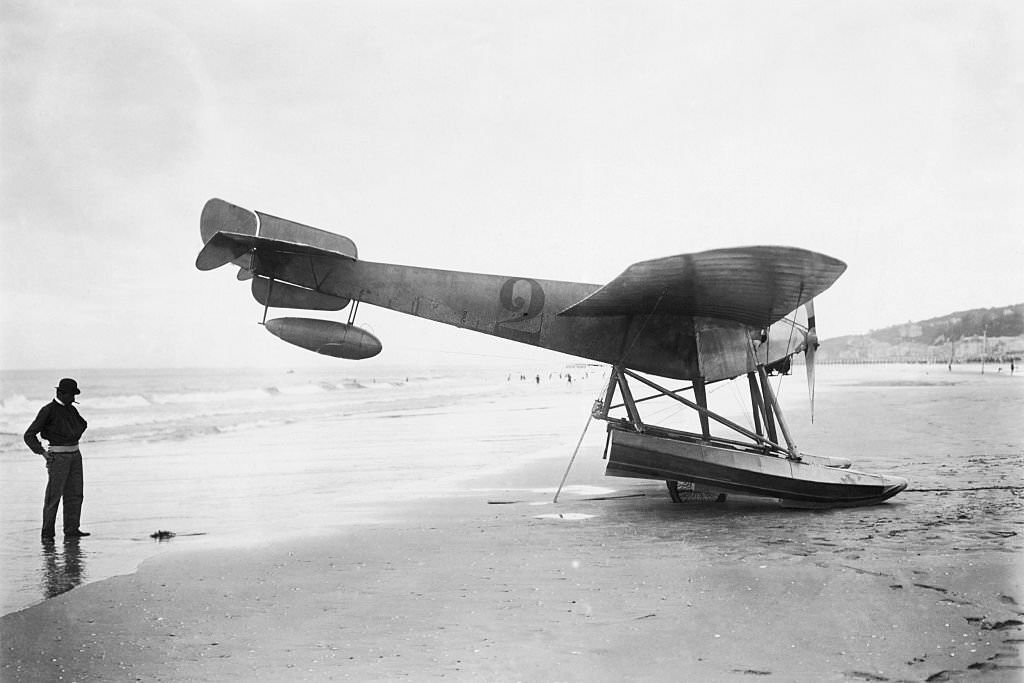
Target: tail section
[(288, 264), (221, 216), (230, 233)]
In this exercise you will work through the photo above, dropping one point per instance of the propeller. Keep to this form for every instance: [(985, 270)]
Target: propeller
[(810, 348)]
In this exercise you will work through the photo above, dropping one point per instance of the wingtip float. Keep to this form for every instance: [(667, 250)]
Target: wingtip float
[(328, 338), (704, 317)]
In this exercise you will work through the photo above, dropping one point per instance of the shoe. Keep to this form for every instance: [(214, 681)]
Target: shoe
[(77, 533), (47, 537)]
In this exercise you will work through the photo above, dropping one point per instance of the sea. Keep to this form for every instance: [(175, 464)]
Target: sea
[(241, 456)]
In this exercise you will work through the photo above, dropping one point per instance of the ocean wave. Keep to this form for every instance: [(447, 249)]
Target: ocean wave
[(247, 426), (306, 389), (205, 405), (116, 402), (214, 396), (19, 403)]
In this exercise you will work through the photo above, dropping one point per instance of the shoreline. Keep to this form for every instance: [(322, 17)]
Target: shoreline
[(283, 477), (466, 588)]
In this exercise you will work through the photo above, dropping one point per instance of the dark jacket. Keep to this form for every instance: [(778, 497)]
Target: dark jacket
[(60, 425)]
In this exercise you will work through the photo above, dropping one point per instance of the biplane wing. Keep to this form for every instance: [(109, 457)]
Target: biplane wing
[(754, 286)]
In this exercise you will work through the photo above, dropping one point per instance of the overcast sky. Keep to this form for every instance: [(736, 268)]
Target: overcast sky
[(560, 140)]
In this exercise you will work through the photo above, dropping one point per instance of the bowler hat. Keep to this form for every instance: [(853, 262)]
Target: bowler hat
[(68, 386)]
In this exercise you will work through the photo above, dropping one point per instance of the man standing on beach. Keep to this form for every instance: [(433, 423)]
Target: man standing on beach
[(60, 424)]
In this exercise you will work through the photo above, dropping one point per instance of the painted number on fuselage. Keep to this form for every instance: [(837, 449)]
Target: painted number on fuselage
[(522, 303)]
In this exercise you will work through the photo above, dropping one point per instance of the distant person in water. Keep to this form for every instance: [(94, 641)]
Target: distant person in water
[(59, 423)]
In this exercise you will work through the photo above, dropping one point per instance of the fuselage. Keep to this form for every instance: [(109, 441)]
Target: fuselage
[(526, 310)]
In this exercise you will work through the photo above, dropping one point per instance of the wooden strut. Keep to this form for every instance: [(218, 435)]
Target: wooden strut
[(760, 439), (755, 400), (270, 295), (609, 394), (660, 394), (769, 418), (627, 398), (702, 400), (794, 453)]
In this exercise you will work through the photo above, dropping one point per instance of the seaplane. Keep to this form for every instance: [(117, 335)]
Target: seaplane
[(700, 318)]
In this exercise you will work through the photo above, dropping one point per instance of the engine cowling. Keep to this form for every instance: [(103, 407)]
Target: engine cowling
[(326, 337)]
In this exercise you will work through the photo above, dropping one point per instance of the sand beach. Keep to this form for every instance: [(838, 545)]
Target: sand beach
[(412, 536)]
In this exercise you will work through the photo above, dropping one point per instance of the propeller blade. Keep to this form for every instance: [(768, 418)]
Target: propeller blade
[(810, 349)]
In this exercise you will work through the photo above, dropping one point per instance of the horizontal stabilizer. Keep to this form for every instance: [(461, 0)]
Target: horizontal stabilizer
[(222, 248), (274, 228), (227, 241), (278, 294), (755, 286)]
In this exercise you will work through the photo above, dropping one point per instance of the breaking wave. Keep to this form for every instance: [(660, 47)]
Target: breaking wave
[(164, 404)]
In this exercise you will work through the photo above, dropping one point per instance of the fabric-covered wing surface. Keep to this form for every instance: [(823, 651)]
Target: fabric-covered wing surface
[(231, 232), (755, 286)]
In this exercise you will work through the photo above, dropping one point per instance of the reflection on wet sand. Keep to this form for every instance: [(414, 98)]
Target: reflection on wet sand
[(63, 566)]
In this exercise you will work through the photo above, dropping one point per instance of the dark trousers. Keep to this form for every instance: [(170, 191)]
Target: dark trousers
[(65, 481)]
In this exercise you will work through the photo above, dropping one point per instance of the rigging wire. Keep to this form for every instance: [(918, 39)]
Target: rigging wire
[(744, 407), (636, 337)]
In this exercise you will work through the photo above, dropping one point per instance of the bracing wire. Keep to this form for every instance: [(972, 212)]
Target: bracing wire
[(636, 337), (743, 407)]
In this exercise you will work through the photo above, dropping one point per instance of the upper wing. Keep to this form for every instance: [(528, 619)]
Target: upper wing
[(756, 286)]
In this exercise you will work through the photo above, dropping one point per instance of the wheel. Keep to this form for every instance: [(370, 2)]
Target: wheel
[(687, 492)]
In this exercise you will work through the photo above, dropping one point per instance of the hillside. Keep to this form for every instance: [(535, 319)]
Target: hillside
[(964, 336)]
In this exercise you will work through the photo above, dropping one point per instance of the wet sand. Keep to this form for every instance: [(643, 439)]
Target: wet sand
[(620, 584)]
